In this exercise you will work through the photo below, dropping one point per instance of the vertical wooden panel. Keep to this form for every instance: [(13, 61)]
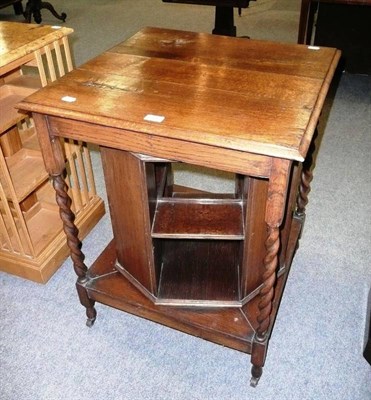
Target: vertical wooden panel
[(40, 67), (255, 235), (4, 236), (67, 53), (89, 170), (59, 58), (73, 177), (49, 59), (126, 182), (82, 174), (10, 141)]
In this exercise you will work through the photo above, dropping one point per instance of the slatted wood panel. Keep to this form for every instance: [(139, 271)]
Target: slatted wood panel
[(31, 234)]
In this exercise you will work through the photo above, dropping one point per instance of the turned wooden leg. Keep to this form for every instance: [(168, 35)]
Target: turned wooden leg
[(272, 245), (306, 179), (71, 231), (55, 165), (275, 207), (265, 304), (304, 186)]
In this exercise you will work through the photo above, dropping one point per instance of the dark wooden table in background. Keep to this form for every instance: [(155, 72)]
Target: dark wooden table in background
[(224, 13), (32, 9), (211, 265), (344, 24)]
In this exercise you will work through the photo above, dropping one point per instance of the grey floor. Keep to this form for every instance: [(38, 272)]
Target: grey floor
[(47, 352)]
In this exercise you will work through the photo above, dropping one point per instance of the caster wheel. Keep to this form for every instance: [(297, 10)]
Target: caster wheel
[(254, 382), (256, 373), (90, 322)]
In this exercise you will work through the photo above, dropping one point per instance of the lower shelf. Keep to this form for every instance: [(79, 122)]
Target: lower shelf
[(228, 326), (198, 271), (231, 326)]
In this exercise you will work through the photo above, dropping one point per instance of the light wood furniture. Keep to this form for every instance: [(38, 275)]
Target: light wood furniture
[(208, 264), (32, 242)]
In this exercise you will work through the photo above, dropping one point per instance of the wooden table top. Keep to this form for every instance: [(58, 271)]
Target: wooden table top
[(246, 95), (18, 39)]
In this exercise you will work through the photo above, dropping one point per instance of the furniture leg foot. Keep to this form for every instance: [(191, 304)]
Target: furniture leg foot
[(256, 373), (49, 7), (90, 322), (259, 351), (91, 312)]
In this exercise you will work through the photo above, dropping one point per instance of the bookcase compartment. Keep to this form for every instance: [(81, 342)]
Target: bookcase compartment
[(190, 250), (32, 241)]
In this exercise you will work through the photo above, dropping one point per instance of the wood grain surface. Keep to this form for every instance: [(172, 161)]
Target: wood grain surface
[(253, 96)]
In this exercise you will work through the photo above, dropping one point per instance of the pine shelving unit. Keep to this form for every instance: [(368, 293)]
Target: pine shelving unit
[(32, 242)]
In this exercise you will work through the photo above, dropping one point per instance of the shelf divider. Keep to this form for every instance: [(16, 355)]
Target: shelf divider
[(198, 219)]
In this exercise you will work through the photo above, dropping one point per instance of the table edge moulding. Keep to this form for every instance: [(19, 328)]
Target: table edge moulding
[(177, 256), (32, 242)]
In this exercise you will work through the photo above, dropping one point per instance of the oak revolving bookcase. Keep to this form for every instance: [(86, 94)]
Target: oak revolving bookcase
[(209, 264), (32, 242)]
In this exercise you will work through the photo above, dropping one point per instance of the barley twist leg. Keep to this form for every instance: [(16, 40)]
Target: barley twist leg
[(272, 245), (265, 304), (306, 179), (304, 189), (74, 244), (274, 213)]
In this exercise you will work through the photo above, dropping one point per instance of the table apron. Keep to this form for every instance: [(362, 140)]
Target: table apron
[(164, 147)]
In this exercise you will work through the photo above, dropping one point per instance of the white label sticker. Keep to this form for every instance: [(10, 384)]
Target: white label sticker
[(154, 118), (68, 99), (313, 47)]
